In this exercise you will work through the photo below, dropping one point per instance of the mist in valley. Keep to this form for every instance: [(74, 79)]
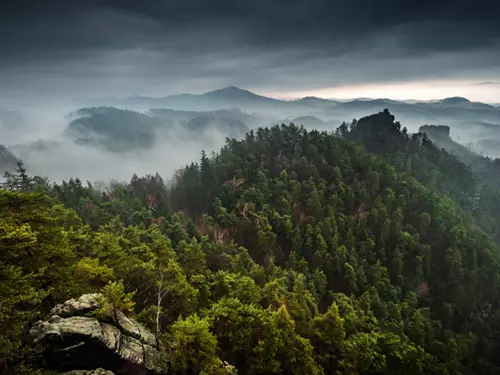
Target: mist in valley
[(116, 138), (47, 147)]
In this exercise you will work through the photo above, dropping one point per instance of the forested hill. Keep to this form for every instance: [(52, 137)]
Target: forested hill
[(486, 168), (288, 252), (485, 201)]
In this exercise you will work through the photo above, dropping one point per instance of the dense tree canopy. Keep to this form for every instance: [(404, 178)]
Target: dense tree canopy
[(288, 252)]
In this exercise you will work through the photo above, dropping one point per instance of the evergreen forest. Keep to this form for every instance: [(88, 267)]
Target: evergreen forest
[(360, 250)]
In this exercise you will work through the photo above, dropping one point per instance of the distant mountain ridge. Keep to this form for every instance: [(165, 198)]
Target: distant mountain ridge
[(452, 108), (232, 92)]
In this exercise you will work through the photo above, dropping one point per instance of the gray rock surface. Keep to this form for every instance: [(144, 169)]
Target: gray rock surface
[(98, 371), (76, 307), (75, 341)]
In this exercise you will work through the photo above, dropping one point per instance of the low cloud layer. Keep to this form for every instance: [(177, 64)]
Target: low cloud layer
[(48, 150)]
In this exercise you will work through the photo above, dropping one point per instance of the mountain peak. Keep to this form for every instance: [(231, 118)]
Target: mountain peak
[(230, 90), (310, 98), (455, 100), (237, 96), (313, 99)]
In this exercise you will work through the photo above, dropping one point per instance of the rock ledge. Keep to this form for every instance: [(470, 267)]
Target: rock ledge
[(87, 345)]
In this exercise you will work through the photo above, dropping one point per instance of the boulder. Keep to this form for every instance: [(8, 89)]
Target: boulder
[(76, 341), (76, 307)]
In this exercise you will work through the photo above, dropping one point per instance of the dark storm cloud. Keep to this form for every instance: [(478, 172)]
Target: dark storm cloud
[(73, 25), (223, 40)]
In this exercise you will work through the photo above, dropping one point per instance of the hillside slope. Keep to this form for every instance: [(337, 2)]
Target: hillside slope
[(289, 252), (487, 169), (7, 160)]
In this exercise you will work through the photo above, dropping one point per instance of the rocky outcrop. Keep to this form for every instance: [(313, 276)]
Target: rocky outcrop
[(98, 371), (77, 341)]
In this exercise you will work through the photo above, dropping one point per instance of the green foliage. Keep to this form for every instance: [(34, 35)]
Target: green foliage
[(89, 270), (17, 289), (113, 299), (192, 346)]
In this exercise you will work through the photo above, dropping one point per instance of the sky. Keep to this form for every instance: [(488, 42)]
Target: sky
[(68, 50)]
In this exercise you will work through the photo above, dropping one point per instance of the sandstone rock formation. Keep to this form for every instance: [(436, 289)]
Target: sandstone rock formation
[(77, 341), (98, 371)]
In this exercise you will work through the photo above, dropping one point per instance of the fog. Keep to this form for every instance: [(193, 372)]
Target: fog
[(41, 142), (116, 138)]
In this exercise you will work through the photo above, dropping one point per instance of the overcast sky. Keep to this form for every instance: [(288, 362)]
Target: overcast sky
[(74, 50)]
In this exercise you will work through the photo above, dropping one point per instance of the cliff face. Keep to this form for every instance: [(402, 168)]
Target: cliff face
[(87, 345)]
